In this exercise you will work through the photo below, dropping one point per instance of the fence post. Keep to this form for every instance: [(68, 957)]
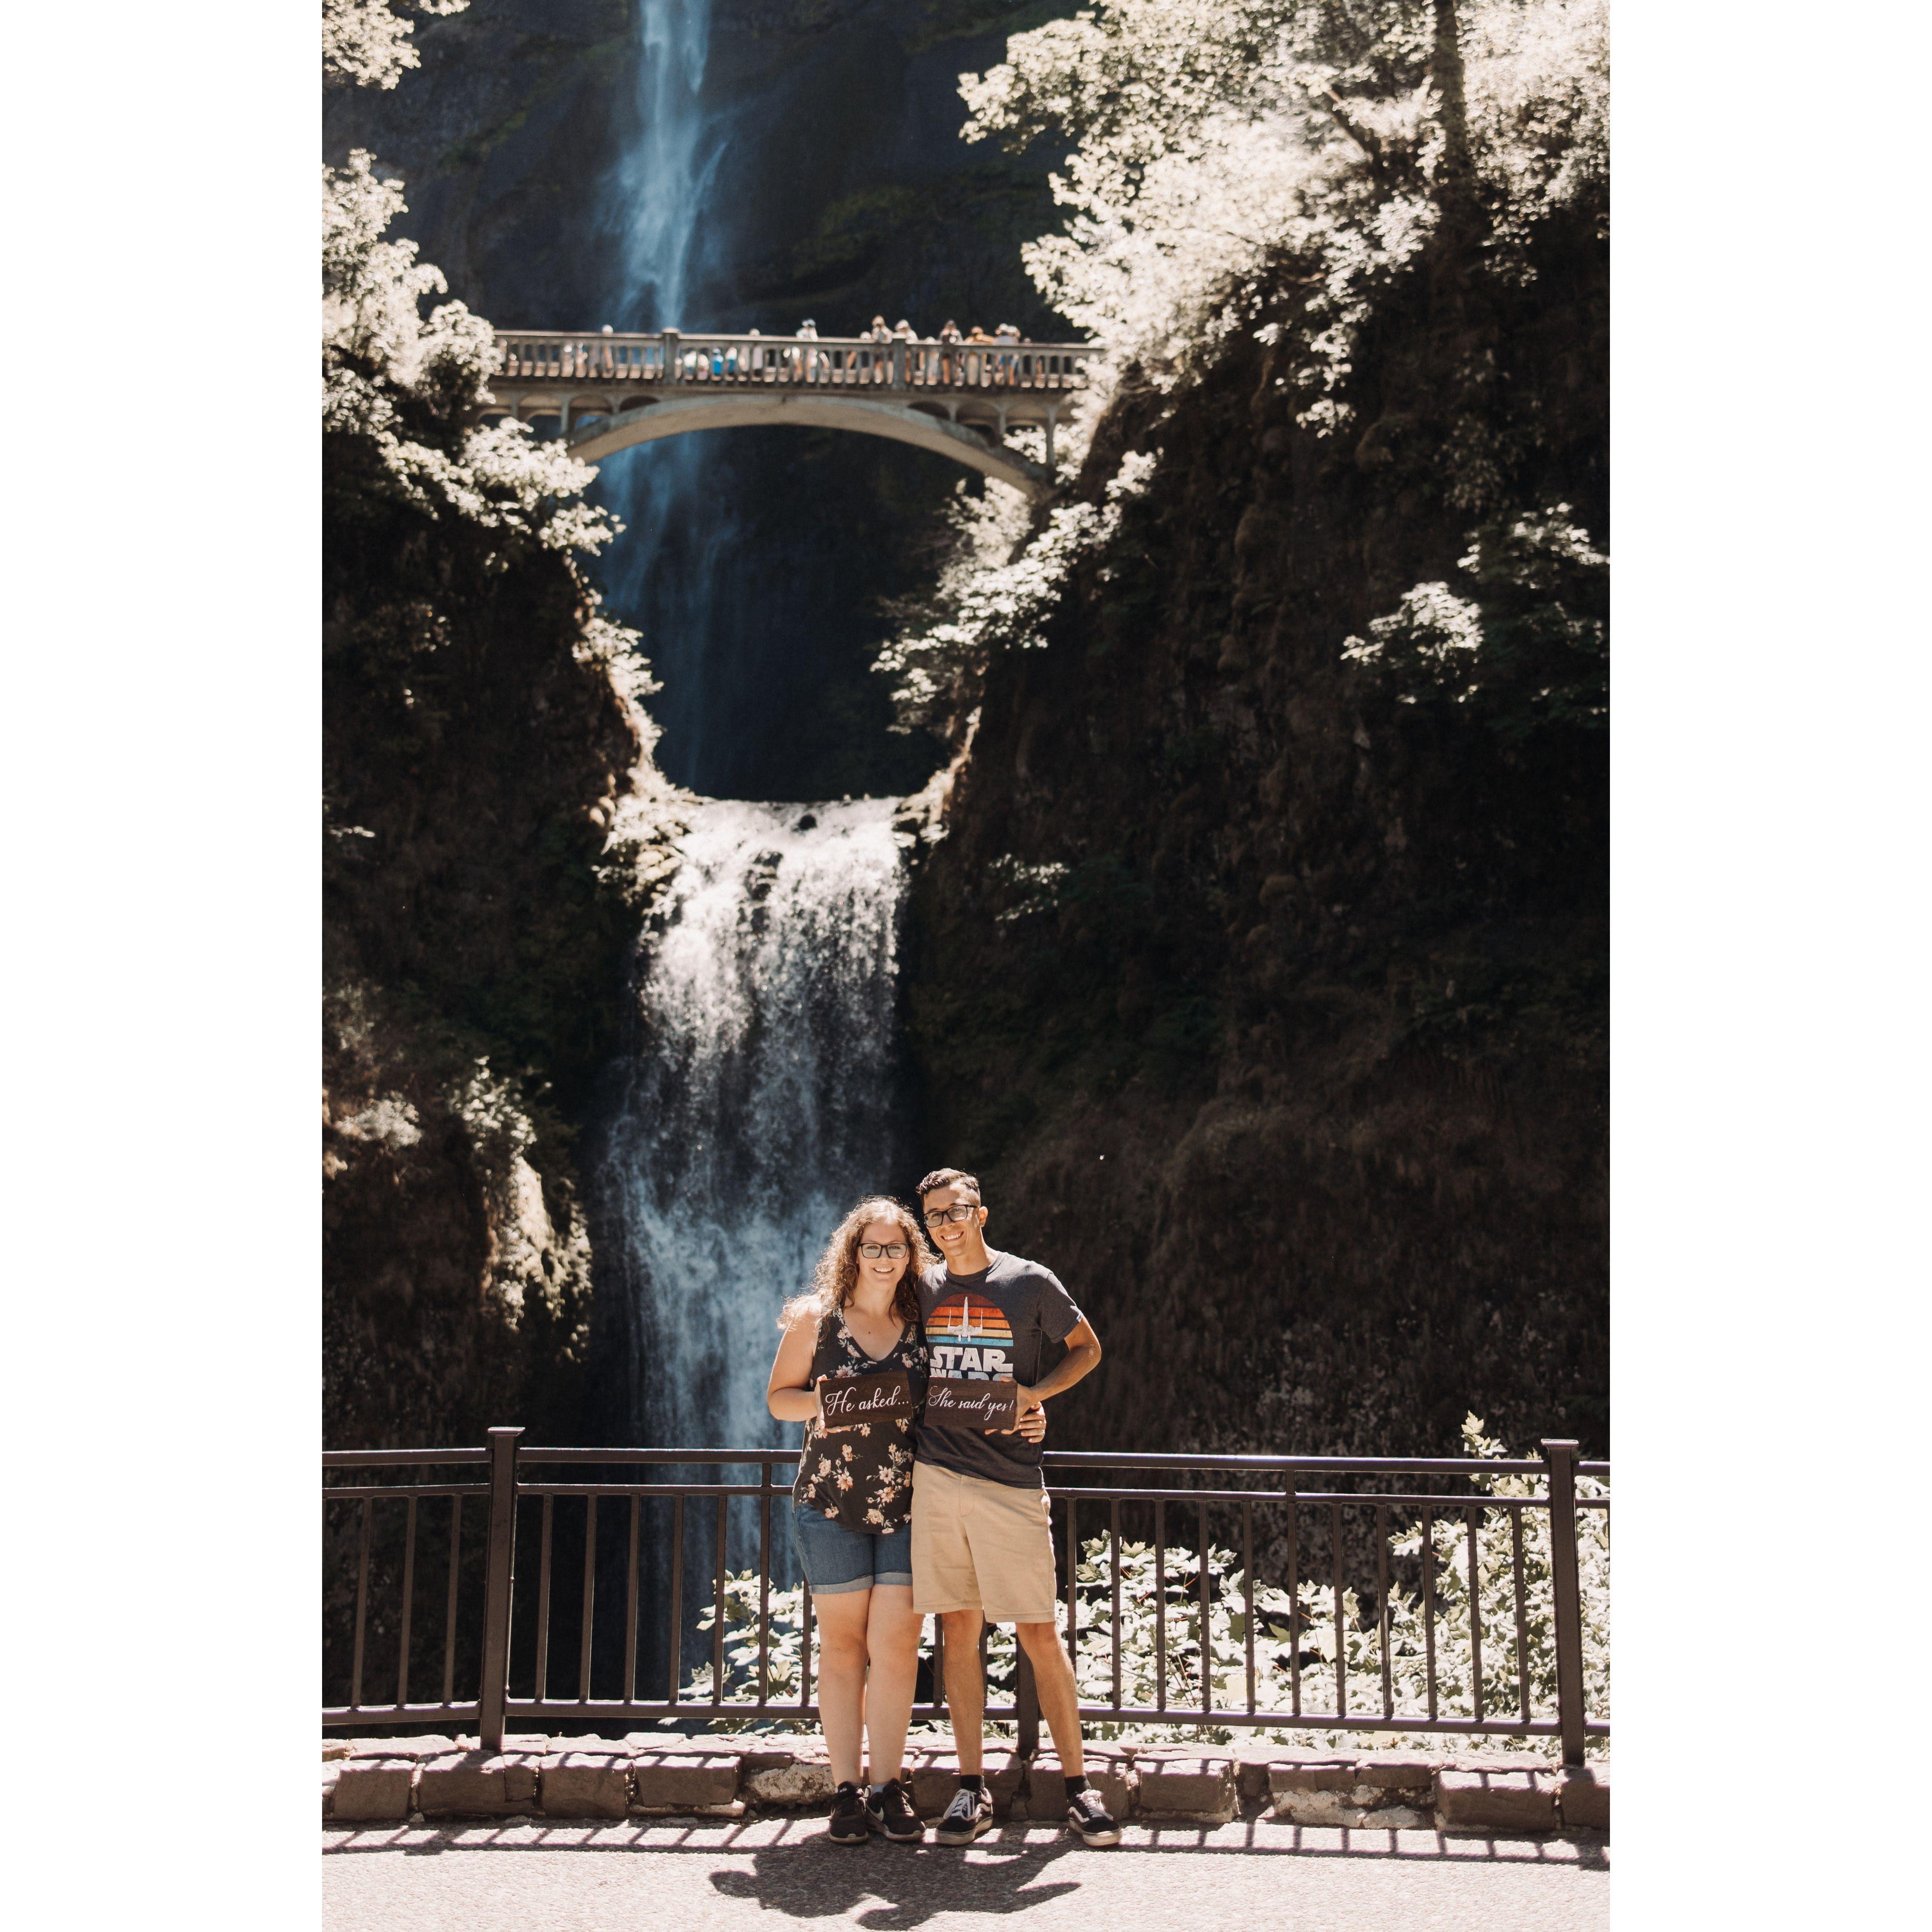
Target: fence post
[(672, 373), (1561, 1457), (1028, 1699), (500, 1575)]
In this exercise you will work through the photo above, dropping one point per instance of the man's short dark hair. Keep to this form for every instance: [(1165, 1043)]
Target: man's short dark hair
[(948, 1177)]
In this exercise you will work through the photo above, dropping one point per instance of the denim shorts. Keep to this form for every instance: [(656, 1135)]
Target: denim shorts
[(836, 1560)]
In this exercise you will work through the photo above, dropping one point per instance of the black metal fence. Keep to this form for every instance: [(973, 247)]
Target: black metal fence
[(428, 1558)]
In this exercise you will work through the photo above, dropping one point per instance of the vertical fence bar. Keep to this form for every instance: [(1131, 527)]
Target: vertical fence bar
[(631, 1607), (1341, 1633), (450, 1604), (1248, 1591), (1521, 1617), (1114, 1561), (1073, 1585), (1561, 1457), (589, 1599), (718, 1611), (361, 1607), (1207, 1632), (1294, 1600), (804, 1655), (1382, 1607), (1429, 1606), (1026, 1701), (409, 1600), (938, 1663), (1475, 1615), (764, 1583), (676, 1595), (1160, 1605), (500, 1579), (543, 1602)]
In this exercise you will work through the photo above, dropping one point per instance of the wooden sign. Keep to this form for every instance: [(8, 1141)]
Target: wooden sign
[(957, 1403), (846, 1399)]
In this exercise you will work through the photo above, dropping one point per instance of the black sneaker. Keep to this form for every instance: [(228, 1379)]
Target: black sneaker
[(892, 1813), (1089, 1817), (969, 1813), (851, 1822)]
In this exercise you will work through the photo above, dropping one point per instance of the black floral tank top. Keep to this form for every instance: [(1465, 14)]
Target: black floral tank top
[(862, 1476)]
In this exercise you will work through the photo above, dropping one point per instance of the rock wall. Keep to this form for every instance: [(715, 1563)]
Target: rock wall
[(1271, 1010), (493, 830)]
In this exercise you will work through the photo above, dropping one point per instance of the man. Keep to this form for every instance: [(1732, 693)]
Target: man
[(982, 1537)]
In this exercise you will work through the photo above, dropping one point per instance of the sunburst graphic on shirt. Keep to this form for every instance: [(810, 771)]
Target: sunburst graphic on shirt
[(969, 1336)]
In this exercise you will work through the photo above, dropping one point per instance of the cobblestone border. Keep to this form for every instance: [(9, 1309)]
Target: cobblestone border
[(649, 1773)]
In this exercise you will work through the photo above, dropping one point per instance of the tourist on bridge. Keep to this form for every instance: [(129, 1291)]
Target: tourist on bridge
[(1009, 361), (852, 1502), (880, 362), (948, 337), (805, 361), (976, 363), (981, 1534)]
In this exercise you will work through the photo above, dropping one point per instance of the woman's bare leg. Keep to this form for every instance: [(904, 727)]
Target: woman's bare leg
[(841, 1676), (892, 1644)]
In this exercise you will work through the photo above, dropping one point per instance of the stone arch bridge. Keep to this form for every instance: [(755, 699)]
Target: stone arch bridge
[(960, 399)]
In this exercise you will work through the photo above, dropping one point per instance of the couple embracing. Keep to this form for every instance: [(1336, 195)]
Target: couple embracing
[(900, 1518)]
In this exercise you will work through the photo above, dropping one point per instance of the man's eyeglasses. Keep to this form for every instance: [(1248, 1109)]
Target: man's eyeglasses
[(960, 1210), (893, 1251)]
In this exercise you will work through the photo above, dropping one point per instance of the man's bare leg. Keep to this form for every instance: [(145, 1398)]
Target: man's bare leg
[(1059, 1697), (965, 1688)]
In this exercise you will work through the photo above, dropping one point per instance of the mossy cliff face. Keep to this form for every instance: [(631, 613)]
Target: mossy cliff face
[(493, 826), (1270, 1010)]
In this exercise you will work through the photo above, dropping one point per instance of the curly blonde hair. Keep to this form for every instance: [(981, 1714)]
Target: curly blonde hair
[(836, 1276)]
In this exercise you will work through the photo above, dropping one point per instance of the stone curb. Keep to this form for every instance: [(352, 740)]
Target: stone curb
[(389, 1781)]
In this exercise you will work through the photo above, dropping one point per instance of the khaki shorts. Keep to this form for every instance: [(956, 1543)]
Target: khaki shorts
[(981, 1546)]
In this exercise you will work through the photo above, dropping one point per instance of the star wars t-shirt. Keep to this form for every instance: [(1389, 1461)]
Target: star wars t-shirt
[(1003, 1322)]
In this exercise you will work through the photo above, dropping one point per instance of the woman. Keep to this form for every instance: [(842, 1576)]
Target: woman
[(852, 1504)]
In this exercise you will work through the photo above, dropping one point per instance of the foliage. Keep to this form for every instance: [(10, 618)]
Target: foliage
[(1303, 1628), (364, 44), (380, 355), (1281, 167), (1530, 648), (997, 591), (1218, 137)]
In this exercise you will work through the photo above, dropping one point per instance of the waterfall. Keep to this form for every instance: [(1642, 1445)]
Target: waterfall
[(668, 573), (764, 1102)]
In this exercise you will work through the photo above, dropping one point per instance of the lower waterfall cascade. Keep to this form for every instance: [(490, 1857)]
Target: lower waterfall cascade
[(764, 1102)]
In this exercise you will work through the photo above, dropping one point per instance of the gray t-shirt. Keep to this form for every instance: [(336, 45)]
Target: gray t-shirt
[(1004, 1321)]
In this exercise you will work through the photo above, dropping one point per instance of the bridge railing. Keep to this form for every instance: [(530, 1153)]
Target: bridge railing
[(1410, 1595), (747, 361)]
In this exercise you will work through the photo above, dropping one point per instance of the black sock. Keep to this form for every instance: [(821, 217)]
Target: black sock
[(1075, 1785), (969, 1783)]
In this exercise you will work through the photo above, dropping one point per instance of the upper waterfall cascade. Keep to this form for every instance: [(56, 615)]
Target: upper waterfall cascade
[(764, 1102)]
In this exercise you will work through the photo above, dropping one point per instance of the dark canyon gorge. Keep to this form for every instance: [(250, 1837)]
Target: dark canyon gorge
[(1267, 994)]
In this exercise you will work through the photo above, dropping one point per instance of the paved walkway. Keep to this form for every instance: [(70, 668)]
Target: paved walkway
[(673, 1876)]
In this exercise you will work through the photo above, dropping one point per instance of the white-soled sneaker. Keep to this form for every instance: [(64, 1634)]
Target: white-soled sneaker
[(1087, 1816), (893, 1814), (969, 1813)]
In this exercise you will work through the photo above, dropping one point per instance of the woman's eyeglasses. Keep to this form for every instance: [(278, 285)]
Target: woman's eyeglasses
[(893, 1251), (960, 1210)]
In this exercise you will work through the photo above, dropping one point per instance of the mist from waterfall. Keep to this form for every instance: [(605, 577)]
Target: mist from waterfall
[(765, 1103), (668, 573)]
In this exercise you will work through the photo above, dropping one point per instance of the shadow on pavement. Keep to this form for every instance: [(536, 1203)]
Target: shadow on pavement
[(893, 1888), (804, 1875)]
